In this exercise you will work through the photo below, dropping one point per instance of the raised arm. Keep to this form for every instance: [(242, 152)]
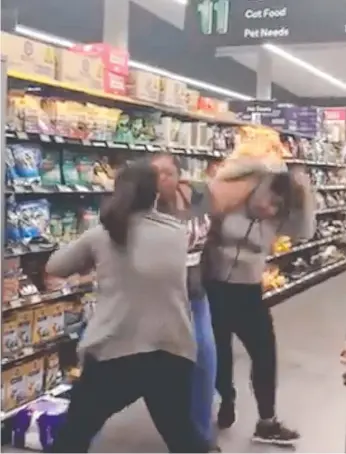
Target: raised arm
[(301, 222), (76, 257), (236, 180)]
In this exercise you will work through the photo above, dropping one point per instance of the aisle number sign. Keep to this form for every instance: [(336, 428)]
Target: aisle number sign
[(252, 22), (213, 16)]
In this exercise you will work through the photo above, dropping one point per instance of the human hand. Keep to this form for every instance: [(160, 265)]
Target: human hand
[(300, 177)]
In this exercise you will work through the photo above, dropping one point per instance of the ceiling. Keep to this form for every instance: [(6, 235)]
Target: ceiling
[(330, 58)]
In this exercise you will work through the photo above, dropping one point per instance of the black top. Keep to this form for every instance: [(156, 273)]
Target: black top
[(196, 215)]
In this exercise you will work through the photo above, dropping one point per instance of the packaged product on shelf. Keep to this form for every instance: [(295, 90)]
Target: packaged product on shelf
[(185, 134), (73, 315), (85, 167), (207, 105), (34, 219), (10, 289), (62, 123), (201, 135), (4, 384), (192, 98), (39, 115), (69, 223), (26, 161), (168, 131), (10, 337), (123, 131), (272, 278), (77, 118), (114, 84), (334, 123), (79, 70), (15, 111), (15, 388), (141, 131), (114, 59), (52, 371), (282, 244), (28, 56), (144, 86), (50, 169), (42, 325), (88, 217), (101, 122), (70, 167), (88, 301), (35, 426), (34, 374), (104, 174), (57, 319), (173, 93), (25, 320)]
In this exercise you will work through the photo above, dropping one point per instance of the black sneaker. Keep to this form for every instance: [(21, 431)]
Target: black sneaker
[(226, 416), (275, 433)]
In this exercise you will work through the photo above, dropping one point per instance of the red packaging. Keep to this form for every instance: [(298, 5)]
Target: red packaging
[(114, 59), (206, 104), (113, 83)]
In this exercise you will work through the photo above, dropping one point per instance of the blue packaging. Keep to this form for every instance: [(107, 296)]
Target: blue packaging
[(35, 427), (34, 218), (27, 159), (12, 223)]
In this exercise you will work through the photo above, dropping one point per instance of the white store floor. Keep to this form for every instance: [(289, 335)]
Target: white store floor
[(311, 328)]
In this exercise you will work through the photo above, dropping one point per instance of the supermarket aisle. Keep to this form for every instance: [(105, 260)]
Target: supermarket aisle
[(310, 330)]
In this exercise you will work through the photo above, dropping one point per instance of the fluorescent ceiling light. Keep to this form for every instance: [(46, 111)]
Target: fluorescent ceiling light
[(57, 41), (182, 2), (43, 36), (192, 82), (307, 66)]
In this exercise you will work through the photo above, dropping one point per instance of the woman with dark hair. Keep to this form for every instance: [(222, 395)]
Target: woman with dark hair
[(193, 204), (139, 342), (235, 257)]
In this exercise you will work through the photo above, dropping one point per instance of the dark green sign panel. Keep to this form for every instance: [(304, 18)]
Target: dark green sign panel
[(252, 22)]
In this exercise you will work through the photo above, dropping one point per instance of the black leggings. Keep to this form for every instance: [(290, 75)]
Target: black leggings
[(106, 387), (240, 309)]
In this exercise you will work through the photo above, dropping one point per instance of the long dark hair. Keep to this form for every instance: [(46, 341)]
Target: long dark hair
[(135, 191)]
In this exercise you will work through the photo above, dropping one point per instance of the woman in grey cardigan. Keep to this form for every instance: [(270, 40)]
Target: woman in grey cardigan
[(139, 342), (235, 258)]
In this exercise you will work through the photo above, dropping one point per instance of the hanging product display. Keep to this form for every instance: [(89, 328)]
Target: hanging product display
[(66, 138)]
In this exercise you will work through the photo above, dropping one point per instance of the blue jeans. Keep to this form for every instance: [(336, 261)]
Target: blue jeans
[(205, 369)]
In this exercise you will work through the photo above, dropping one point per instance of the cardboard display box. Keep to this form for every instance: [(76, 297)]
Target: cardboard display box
[(28, 56), (77, 69)]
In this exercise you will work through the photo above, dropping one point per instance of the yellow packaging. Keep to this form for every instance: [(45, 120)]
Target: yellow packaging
[(57, 319), (38, 115), (27, 56), (16, 390), (10, 338), (15, 111), (25, 327), (34, 375), (77, 69), (42, 325), (144, 86), (52, 371), (173, 93)]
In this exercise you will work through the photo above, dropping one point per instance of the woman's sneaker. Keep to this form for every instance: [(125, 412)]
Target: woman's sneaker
[(275, 433), (226, 416)]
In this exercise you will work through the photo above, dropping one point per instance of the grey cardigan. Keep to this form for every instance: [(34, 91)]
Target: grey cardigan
[(237, 253), (142, 302)]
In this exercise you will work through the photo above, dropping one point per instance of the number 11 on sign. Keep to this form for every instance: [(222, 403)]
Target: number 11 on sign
[(213, 12)]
